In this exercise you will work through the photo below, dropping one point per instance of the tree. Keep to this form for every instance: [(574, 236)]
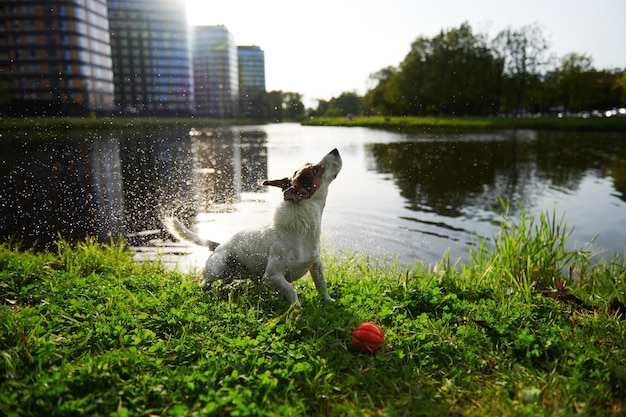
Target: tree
[(459, 72), (577, 86), (603, 94), (620, 87), (293, 106), (322, 107), (573, 81), (454, 73), (524, 53), (275, 105), (347, 103), (374, 99), (253, 103), (283, 105)]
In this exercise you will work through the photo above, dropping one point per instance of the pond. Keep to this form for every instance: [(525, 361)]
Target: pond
[(410, 196)]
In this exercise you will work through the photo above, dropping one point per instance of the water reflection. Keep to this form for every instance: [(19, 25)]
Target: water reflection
[(229, 162), (445, 177), (158, 167), (448, 176), (565, 159), (68, 187), (121, 185), (417, 195)]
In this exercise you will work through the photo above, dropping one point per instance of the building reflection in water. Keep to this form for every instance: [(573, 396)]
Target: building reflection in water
[(177, 173), (61, 188), (106, 180), (229, 162), (120, 185), (158, 169)]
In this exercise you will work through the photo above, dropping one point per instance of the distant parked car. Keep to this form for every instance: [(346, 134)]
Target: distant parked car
[(621, 112)]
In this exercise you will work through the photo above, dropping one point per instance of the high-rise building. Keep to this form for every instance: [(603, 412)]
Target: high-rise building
[(251, 61), (55, 57), (252, 97), (151, 57), (215, 72)]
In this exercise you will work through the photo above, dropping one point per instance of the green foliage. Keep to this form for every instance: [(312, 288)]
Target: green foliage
[(348, 103), (86, 330), (530, 255), (462, 73), (72, 127), (465, 124), (468, 85), (284, 106)]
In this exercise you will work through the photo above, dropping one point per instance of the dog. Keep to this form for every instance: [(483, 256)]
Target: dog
[(284, 251)]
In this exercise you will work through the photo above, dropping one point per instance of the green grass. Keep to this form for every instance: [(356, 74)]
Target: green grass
[(524, 328), (34, 127), (452, 124)]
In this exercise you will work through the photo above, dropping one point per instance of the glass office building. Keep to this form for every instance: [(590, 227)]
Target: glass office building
[(215, 72), (251, 61), (252, 97), (55, 58), (151, 57)]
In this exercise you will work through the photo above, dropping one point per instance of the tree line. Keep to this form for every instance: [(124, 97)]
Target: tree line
[(461, 73), (274, 105)]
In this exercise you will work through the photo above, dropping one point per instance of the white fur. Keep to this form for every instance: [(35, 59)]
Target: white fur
[(277, 254)]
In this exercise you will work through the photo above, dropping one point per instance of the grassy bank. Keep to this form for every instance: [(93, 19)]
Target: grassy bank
[(450, 124), (32, 125), (524, 328)]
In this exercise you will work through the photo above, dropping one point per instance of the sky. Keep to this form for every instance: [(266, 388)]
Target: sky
[(326, 47)]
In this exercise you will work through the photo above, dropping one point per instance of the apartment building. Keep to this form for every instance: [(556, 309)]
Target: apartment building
[(55, 58), (215, 72), (151, 57), (129, 57), (252, 97)]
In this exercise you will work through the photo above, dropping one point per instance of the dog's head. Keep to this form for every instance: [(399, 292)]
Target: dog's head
[(310, 178)]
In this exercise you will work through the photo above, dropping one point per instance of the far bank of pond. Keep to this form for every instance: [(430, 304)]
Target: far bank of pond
[(26, 126), (464, 124), (35, 127)]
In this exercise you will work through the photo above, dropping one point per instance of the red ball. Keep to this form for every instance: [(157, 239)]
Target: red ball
[(368, 338)]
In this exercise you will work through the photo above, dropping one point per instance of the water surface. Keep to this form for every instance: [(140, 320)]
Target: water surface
[(410, 196)]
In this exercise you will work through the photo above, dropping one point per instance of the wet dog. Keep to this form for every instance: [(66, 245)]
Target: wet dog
[(284, 251)]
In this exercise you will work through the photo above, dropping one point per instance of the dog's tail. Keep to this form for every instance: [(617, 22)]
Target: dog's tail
[(180, 232)]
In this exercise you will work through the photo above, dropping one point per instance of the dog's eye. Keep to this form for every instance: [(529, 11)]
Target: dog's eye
[(315, 170)]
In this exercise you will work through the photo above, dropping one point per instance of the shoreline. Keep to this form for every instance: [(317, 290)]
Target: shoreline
[(408, 124), (471, 124)]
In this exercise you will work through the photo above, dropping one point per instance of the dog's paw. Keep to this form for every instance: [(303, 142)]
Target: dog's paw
[(329, 299)]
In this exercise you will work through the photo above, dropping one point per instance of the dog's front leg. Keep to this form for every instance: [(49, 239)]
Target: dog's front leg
[(317, 272), (278, 282)]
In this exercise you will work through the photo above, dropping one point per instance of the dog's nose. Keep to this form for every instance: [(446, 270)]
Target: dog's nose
[(334, 152)]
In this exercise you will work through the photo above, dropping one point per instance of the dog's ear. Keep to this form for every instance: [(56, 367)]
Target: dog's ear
[(282, 184), (289, 193)]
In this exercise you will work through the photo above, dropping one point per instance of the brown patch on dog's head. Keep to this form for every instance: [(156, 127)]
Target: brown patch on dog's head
[(302, 185)]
